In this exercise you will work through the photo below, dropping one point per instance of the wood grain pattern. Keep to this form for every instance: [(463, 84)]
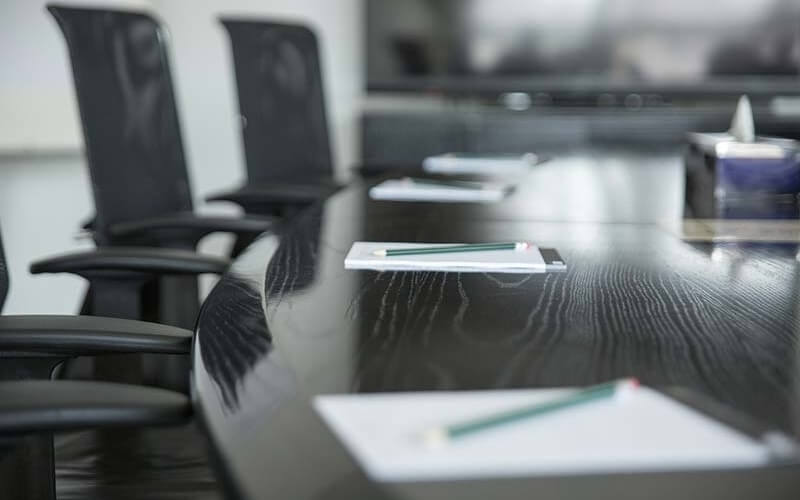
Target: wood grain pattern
[(635, 301)]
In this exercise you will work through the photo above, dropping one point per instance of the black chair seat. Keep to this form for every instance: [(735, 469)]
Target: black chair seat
[(187, 228), (279, 192), (30, 406)]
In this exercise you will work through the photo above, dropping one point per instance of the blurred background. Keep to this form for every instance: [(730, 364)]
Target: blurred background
[(403, 80)]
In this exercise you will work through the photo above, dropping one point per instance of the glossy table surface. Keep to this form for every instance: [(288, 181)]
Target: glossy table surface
[(288, 322)]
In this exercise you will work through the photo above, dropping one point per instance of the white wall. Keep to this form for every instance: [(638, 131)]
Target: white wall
[(37, 101), (43, 199)]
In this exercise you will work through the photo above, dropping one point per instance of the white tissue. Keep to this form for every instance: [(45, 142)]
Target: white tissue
[(742, 127)]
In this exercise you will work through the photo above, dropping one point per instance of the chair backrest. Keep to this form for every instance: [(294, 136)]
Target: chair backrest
[(3, 275), (281, 101), (127, 108)]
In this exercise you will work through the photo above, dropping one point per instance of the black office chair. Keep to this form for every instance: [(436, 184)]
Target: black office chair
[(283, 120), (116, 279), (33, 407), (133, 141), (133, 145)]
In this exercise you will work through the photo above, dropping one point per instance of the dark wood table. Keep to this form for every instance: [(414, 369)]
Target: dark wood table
[(288, 322)]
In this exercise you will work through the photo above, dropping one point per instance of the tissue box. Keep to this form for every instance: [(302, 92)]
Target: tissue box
[(730, 179)]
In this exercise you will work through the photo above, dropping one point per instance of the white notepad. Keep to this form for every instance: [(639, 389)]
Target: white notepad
[(460, 163), (646, 432), (495, 261), (408, 190)]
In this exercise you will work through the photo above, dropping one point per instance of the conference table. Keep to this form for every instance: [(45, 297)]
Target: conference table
[(288, 322)]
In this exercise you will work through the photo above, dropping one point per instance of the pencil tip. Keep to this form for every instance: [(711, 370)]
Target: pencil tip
[(379, 253), (435, 437)]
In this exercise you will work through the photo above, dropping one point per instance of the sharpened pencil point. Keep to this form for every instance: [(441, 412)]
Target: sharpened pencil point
[(379, 253), (435, 437)]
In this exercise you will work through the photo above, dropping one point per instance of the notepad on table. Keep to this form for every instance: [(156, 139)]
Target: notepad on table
[(532, 260), (647, 431), (409, 189), (464, 163)]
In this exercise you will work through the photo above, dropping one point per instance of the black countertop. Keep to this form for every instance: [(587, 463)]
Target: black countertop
[(288, 322)]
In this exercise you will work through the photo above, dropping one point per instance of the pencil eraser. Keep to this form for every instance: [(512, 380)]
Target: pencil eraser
[(626, 388)]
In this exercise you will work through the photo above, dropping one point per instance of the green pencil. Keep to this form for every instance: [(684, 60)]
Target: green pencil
[(443, 434), (477, 247)]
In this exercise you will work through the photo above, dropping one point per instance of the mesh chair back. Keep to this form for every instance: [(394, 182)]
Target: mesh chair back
[(127, 108), (279, 82)]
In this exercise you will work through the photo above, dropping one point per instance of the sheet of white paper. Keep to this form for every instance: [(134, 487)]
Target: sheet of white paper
[(646, 431), (454, 163), (496, 261), (403, 190)]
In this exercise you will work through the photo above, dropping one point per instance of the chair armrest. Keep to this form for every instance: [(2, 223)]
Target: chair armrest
[(371, 170), (28, 406), (277, 193), (89, 335), (157, 261), (186, 228)]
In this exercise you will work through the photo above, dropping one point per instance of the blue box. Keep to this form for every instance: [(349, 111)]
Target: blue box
[(730, 179)]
